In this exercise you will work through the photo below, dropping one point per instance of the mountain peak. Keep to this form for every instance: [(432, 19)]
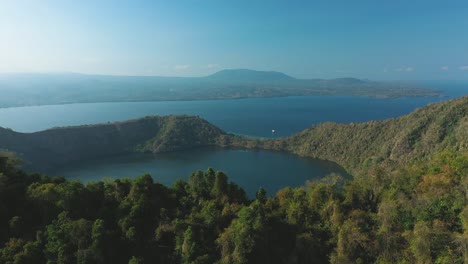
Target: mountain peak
[(348, 81), (249, 75)]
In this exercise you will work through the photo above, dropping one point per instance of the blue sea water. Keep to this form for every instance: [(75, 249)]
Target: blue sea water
[(253, 116)]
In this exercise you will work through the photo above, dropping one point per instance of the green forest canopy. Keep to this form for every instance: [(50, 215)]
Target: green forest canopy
[(415, 214), (407, 204)]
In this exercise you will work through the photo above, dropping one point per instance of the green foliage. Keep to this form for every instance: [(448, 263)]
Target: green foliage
[(261, 195), (239, 240), (393, 143), (135, 260), (189, 247), (415, 214)]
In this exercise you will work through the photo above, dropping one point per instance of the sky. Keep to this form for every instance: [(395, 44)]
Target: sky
[(371, 39)]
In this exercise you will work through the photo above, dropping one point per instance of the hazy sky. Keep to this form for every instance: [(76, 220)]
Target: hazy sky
[(376, 39)]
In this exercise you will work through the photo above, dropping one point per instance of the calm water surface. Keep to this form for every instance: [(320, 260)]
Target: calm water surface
[(249, 169)]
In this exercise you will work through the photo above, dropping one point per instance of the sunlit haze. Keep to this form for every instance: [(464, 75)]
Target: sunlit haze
[(307, 39)]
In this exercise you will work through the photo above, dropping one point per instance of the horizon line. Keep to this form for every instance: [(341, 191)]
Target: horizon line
[(204, 76)]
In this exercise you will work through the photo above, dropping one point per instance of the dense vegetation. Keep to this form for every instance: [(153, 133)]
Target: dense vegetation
[(393, 142), (407, 202), (416, 214), (43, 89)]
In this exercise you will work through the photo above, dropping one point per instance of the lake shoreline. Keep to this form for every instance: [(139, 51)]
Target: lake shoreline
[(437, 95)]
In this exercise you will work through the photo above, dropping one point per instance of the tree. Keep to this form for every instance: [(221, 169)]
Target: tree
[(68, 240), (220, 186), (261, 195), (98, 239), (239, 240), (189, 246), (420, 243), (198, 185), (210, 177), (353, 240), (135, 260)]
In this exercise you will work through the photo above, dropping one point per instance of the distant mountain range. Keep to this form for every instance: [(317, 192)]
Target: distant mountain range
[(245, 75), (41, 89)]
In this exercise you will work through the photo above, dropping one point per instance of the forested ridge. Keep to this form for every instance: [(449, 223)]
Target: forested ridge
[(408, 205), (58, 146), (392, 142), (416, 214)]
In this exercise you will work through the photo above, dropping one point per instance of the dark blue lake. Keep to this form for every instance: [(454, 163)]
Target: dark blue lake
[(249, 169), (253, 117)]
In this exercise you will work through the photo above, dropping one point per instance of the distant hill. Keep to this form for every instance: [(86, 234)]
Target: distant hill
[(347, 81), (245, 75), (62, 88)]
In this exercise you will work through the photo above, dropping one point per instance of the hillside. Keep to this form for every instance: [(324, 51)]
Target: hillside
[(396, 141), (56, 146), (399, 211), (412, 215), (356, 147), (42, 89)]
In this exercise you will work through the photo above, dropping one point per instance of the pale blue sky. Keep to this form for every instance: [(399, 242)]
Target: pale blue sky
[(307, 39)]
